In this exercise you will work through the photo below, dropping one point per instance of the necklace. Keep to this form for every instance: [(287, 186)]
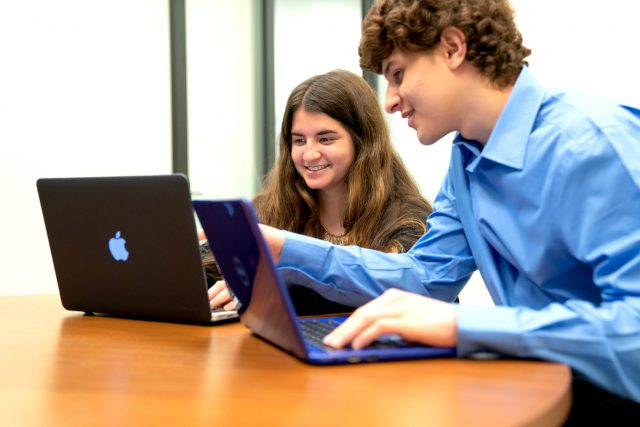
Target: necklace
[(333, 238)]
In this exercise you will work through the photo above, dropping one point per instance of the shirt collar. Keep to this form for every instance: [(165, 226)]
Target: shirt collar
[(508, 141)]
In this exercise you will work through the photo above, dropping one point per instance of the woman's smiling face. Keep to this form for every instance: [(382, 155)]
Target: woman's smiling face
[(322, 150)]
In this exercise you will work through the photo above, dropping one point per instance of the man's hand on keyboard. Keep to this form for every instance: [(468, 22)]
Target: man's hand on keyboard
[(414, 317)]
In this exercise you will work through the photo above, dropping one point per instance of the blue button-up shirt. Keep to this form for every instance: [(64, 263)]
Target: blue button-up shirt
[(549, 213)]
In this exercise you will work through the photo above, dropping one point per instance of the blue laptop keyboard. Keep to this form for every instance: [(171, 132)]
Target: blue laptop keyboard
[(314, 330)]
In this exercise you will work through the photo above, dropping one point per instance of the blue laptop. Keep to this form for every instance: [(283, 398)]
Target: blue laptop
[(264, 303)]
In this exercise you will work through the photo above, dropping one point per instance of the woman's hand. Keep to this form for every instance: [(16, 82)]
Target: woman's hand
[(219, 295)]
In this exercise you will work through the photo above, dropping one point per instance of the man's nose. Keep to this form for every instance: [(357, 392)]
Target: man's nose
[(392, 101)]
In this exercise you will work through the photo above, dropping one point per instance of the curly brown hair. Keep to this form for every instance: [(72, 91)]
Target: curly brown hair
[(494, 43)]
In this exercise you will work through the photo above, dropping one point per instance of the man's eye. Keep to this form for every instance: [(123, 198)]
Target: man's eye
[(397, 76)]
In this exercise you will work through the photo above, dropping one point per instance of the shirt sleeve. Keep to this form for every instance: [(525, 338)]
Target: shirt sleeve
[(438, 265), (598, 222)]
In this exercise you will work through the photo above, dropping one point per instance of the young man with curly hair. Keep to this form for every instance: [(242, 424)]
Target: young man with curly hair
[(542, 196)]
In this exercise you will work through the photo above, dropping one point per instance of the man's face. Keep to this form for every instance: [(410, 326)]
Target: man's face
[(421, 89)]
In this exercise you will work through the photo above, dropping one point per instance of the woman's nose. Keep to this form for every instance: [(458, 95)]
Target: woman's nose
[(312, 153)]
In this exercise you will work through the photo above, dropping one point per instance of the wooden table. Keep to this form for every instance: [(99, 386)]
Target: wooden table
[(60, 368)]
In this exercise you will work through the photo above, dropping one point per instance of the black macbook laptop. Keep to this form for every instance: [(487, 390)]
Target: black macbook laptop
[(127, 246), (265, 307)]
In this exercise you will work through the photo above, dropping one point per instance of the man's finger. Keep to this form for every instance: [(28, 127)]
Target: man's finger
[(356, 323), (375, 330)]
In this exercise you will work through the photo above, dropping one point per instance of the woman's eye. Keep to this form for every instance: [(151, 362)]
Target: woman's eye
[(328, 139), (298, 141), (397, 76)]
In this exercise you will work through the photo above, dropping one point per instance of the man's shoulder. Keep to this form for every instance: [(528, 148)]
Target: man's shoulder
[(577, 112)]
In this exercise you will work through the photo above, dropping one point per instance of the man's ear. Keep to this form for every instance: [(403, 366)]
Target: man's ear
[(453, 46)]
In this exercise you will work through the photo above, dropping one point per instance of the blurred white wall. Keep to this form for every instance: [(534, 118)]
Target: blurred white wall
[(222, 72), (583, 44), (85, 89), (312, 37)]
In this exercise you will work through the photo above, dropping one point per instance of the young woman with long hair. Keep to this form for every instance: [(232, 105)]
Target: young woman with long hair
[(337, 178)]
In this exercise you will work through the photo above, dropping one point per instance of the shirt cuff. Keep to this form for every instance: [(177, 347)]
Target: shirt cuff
[(487, 329)]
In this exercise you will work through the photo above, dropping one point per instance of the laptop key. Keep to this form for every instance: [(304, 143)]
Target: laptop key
[(314, 331)]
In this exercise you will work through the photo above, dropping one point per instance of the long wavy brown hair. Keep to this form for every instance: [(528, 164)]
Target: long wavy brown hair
[(494, 44), (384, 209)]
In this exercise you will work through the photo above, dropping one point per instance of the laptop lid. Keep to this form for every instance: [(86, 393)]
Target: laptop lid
[(126, 246), (247, 266)]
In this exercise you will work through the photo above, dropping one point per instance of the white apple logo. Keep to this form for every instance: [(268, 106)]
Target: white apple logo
[(116, 246)]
